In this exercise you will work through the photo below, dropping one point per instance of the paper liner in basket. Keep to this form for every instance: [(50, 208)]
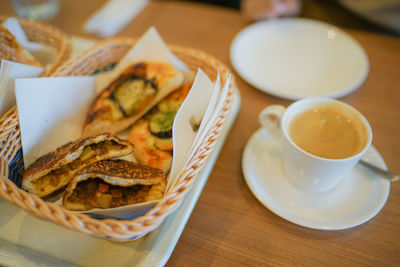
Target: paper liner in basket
[(9, 71), (51, 112), (150, 47), (68, 99)]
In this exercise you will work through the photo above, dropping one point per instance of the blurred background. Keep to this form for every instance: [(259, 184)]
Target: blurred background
[(379, 16)]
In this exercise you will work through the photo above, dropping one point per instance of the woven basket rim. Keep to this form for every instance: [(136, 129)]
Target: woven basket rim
[(124, 230), (132, 40), (53, 32)]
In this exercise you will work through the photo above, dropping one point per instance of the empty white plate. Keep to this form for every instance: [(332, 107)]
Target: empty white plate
[(295, 58), (355, 200)]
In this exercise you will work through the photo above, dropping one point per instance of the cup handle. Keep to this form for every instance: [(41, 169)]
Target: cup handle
[(270, 119)]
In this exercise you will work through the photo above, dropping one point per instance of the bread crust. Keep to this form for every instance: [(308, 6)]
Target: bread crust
[(67, 154), (117, 173)]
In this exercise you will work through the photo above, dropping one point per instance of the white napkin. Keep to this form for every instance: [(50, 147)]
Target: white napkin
[(113, 16), (9, 71)]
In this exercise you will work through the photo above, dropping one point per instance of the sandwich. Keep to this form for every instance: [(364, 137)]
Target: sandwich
[(113, 183), (54, 170)]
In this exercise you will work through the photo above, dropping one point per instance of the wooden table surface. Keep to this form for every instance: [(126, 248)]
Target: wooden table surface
[(228, 225)]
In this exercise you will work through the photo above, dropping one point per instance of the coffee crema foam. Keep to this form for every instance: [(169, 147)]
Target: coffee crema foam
[(327, 131)]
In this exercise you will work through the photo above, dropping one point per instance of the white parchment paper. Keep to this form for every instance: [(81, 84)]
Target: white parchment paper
[(9, 71), (51, 112), (192, 110), (150, 47)]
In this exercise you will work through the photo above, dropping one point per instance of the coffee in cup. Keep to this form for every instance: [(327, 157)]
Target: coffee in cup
[(322, 140), (327, 131)]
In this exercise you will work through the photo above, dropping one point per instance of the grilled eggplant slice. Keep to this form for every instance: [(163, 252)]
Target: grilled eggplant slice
[(137, 89)]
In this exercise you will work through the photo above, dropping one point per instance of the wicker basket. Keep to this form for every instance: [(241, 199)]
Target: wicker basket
[(99, 56), (44, 34)]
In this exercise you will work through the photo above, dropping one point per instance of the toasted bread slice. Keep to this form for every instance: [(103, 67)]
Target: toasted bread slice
[(113, 183), (54, 170)]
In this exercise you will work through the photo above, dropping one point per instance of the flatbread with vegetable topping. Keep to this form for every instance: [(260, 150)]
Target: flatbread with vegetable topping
[(138, 88), (54, 170), (152, 135)]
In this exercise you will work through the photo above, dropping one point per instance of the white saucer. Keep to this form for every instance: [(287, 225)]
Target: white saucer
[(295, 58), (358, 198)]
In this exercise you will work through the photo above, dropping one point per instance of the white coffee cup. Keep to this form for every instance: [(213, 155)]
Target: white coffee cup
[(307, 171)]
